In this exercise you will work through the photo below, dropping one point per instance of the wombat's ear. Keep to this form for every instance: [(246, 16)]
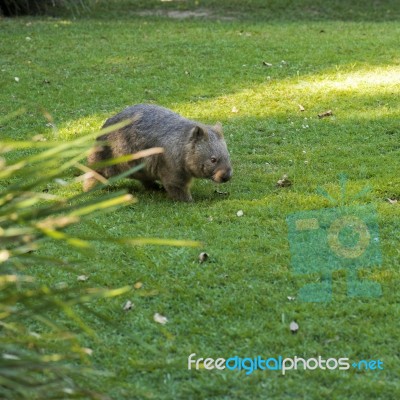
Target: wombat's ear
[(218, 129), (198, 133)]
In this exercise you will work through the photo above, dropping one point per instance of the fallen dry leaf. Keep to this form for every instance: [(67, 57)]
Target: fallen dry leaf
[(203, 257), (128, 305), (301, 108), (160, 319), (61, 182), (392, 201), (87, 351), (328, 113), (294, 327), (138, 285), (284, 182), (266, 64), (39, 138), (4, 255), (7, 356), (221, 193)]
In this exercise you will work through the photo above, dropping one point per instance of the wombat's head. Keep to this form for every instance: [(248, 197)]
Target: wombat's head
[(208, 156)]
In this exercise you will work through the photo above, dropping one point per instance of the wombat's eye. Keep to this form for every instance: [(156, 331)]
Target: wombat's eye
[(213, 160)]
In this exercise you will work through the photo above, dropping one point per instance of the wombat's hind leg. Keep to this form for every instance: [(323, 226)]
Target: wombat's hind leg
[(89, 183), (151, 185), (93, 177)]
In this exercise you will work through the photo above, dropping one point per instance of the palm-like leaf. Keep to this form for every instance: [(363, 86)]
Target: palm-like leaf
[(41, 363)]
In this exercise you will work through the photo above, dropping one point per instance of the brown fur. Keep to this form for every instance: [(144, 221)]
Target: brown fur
[(191, 150)]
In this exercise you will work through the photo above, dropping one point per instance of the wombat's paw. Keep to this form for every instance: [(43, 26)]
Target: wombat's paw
[(178, 194), (89, 184), (181, 197)]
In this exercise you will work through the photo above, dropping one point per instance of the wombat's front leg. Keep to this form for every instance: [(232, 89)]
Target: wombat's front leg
[(178, 192), (177, 186)]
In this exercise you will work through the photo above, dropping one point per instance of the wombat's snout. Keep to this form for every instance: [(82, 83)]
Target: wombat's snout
[(227, 176), (222, 176)]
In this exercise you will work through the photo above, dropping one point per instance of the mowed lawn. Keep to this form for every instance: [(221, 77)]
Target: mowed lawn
[(265, 74)]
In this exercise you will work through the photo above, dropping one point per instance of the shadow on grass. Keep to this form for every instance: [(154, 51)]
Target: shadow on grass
[(77, 69), (258, 10), (233, 10)]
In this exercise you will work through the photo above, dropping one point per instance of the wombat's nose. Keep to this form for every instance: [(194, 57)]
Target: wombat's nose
[(227, 175)]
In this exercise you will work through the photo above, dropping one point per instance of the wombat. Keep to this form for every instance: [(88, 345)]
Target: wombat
[(191, 150)]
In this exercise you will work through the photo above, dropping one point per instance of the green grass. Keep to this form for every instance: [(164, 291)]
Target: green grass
[(81, 71)]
